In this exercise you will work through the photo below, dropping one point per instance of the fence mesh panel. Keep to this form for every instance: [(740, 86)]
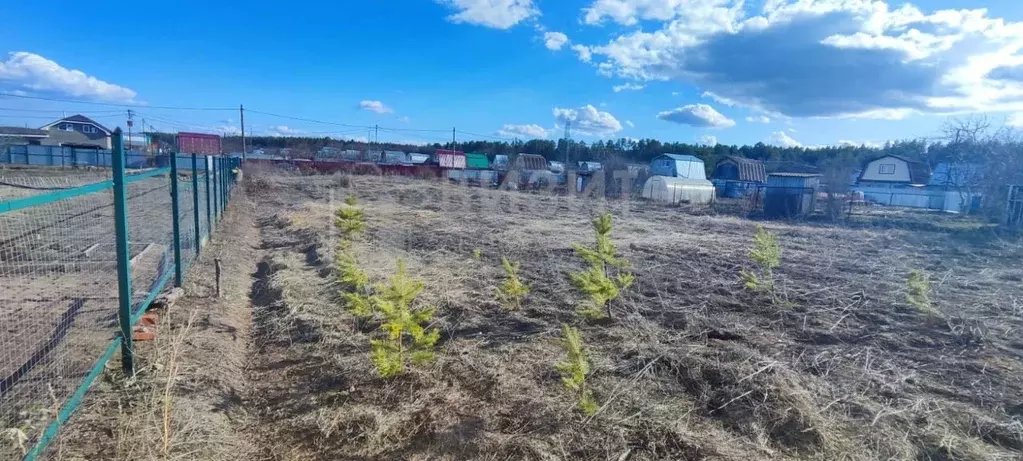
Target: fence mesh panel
[(186, 218), (58, 304), (150, 234)]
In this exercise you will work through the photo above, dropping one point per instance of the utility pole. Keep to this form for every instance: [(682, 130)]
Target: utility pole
[(241, 110), (452, 138), (568, 140), (129, 129), (376, 134)]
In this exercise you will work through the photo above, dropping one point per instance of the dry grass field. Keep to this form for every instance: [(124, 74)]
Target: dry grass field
[(835, 366), (693, 366)]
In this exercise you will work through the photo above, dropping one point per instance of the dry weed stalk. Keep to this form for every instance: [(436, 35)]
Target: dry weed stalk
[(597, 282)]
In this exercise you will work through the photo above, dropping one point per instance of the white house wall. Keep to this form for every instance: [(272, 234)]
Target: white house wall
[(872, 172)]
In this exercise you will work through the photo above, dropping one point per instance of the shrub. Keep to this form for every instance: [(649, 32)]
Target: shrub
[(598, 283), (512, 290), (918, 288), (766, 253), (477, 254), (575, 368), (405, 339), (349, 219)]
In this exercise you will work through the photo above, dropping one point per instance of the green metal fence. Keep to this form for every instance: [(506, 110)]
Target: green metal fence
[(82, 256)]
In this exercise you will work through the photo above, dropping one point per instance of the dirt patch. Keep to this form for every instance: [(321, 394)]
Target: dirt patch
[(693, 368)]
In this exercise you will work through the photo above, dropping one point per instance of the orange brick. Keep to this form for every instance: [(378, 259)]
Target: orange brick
[(149, 318), (144, 333)]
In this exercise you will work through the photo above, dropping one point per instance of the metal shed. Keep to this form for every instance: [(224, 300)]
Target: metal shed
[(476, 161), (790, 195), (678, 166)]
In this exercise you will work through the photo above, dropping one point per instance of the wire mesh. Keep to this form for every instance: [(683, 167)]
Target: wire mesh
[(186, 217), (58, 304), (150, 235), (205, 206)]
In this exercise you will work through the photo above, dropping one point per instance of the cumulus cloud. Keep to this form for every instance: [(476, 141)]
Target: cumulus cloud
[(523, 131), (848, 143), (627, 87), (758, 119), (284, 130), (587, 120), (585, 55), (554, 40), (631, 125), (709, 140), (375, 106), (1015, 120), (498, 14), (781, 138), (29, 71), (404, 119), (819, 58), (698, 115)]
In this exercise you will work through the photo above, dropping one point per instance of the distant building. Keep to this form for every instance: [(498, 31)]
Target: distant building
[(77, 131), (13, 135), (790, 195), (678, 166), (894, 169), (678, 179), (737, 176)]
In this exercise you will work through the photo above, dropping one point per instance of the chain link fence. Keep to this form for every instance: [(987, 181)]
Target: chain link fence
[(60, 253)]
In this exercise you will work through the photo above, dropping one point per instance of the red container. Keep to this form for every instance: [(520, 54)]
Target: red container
[(450, 158), (199, 143)]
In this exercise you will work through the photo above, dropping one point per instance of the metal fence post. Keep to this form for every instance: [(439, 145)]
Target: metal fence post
[(176, 225), (123, 254), (209, 206), (195, 204), (216, 191)]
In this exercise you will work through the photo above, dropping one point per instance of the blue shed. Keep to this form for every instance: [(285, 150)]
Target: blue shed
[(790, 195), (678, 166)]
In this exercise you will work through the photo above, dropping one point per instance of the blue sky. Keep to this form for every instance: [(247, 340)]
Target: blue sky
[(812, 72)]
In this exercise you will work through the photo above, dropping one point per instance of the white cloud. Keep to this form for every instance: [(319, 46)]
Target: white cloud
[(375, 106), (30, 71), (627, 87), (404, 119), (674, 93), (814, 58), (698, 115), (780, 138), (708, 140), (585, 55), (523, 131), (227, 129), (554, 40), (587, 120), (631, 125), (758, 119), (1015, 120), (848, 143), (284, 130), (498, 14)]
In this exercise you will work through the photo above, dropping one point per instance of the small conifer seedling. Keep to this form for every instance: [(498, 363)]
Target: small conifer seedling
[(597, 282), (405, 339), (349, 219), (512, 290), (918, 290), (766, 253), (575, 368), (353, 281), (477, 254)]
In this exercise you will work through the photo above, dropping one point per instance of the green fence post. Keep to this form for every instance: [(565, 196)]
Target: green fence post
[(175, 212), (209, 206), (123, 254), (216, 192), (195, 204)]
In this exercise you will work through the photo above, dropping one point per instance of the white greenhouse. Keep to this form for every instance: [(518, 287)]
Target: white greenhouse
[(672, 190)]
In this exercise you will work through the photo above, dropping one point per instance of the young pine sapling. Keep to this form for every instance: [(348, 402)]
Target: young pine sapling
[(918, 291), (349, 219), (512, 290), (405, 339), (353, 281), (575, 368), (607, 275), (766, 253)]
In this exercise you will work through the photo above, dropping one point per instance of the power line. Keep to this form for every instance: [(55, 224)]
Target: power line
[(486, 136), (109, 104)]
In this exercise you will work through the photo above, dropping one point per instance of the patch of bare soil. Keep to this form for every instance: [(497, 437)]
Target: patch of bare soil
[(694, 367), (186, 403)]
